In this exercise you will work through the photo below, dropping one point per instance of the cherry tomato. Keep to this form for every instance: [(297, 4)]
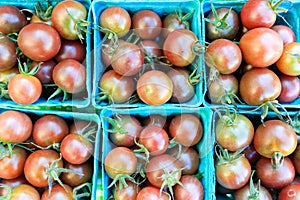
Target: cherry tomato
[(257, 13), (275, 136), (120, 160), (16, 127), (183, 90), (251, 154), (290, 88), (259, 85), (245, 192), (286, 33), (12, 166), (24, 89), (217, 31), (85, 171), (39, 41), (156, 120), (157, 167), (172, 22), (233, 174), (76, 149), (290, 192), (44, 74), (178, 47), (58, 192), (49, 129), (155, 139), (119, 88), (191, 189), (147, 24), (154, 87), (36, 19), (37, 165), (128, 59), (73, 49), (289, 63), (8, 56), (268, 46), (150, 48), (275, 178), (296, 159), (81, 126), (186, 129), (131, 126), (70, 76), (11, 19), (65, 18), (151, 193), (234, 134), (25, 192), (12, 183), (224, 55), (129, 193)]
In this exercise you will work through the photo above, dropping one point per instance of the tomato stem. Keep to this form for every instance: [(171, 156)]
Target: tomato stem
[(277, 160), (169, 180), (254, 191), (219, 23), (10, 190), (116, 125), (121, 178), (83, 190), (295, 123)]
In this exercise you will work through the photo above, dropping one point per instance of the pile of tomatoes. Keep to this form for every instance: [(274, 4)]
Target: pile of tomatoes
[(41, 51), (45, 157), (153, 157), (250, 55), (147, 57)]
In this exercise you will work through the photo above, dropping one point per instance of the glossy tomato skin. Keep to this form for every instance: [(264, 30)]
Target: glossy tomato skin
[(155, 139), (35, 169), (178, 47), (147, 24), (245, 192), (233, 174), (128, 59), (73, 49), (289, 63), (129, 193), (183, 90), (25, 192), (120, 160), (43, 38), (85, 171), (192, 189), (116, 19), (286, 33), (154, 87), (296, 159), (12, 166), (189, 160), (8, 56), (171, 23), (290, 192), (12, 183), (187, 129), (17, 124), (150, 192), (24, 89), (234, 136), (49, 129), (257, 13), (157, 165), (224, 55), (156, 120), (251, 154), (259, 85), (275, 136), (268, 47), (290, 88), (11, 19), (150, 48), (44, 74), (76, 149), (63, 22), (232, 20), (275, 178), (70, 75), (120, 88), (133, 129), (58, 192), (224, 84)]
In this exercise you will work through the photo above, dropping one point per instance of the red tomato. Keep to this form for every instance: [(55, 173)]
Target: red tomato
[(150, 48), (44, 74), (296, 159), (156, 120), (191, 189), (84, 173), (58, 192), (174, 22), (8, 56), (290, 192), (290, 88), (268, 46), (73, 49), (289, 63), (129, 193), (286, 33), (245, 192), (25, 192), (12, 183), (152, 193), (11, 19)]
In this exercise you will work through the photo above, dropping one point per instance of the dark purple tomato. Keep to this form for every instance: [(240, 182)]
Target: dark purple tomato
[(8, 56), (191, 189), (290, 192), (11, 19), (286, 33), (44, 74), (251, 154), (172, 22), (290, 88), (12, 183), (71, 49)]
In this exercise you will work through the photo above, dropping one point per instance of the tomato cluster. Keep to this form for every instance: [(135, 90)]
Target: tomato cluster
[(146, 55), (41, 52), (252, 53), (153, 156), (45, 157)]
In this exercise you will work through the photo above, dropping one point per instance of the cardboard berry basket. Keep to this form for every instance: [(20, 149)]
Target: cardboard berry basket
[(291, 17), (204, 147), (162, 8), (77, 100), (70, 118)]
